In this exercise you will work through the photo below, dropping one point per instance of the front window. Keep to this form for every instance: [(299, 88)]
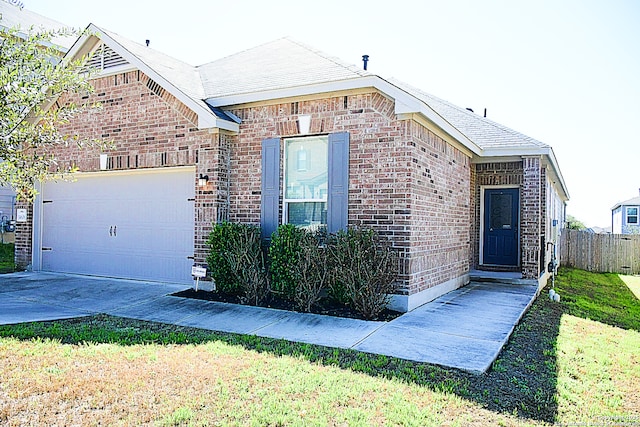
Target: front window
[(306, 181), (632, 215)]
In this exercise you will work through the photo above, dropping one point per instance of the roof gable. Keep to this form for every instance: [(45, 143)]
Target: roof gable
[(286, 68), (282, 63), (176, 77)]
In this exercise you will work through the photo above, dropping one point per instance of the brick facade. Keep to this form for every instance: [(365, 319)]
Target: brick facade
[(148, 128), (530, 177), (530, 213), (404, 180)]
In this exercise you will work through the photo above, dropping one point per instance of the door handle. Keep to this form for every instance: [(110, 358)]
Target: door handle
[(111, 231), (115, 230)]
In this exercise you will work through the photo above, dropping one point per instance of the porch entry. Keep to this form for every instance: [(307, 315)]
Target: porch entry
[(501, 231)]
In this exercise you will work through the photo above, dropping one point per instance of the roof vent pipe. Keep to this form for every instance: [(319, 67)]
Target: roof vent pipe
[(485, 112), (147, 41), (365, 59)]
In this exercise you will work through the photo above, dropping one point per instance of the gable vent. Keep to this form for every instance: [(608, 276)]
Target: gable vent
[(155, 87), (104, 58)]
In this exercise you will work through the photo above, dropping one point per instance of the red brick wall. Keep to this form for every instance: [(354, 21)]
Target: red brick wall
[(490, 174), (404, 181), (149, 128), (529, 176), (531, 210), (24, 231), (439, 211)]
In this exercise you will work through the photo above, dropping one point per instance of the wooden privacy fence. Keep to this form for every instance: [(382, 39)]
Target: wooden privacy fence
[(601, 253)]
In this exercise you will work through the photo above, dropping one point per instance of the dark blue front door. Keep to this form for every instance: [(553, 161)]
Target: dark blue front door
[(501, 219)]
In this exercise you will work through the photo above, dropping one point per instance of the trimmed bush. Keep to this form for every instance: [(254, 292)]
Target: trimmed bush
[(284, 255), (220, 240), (312, 272), (247, 261), (366, 269), (237, 262)]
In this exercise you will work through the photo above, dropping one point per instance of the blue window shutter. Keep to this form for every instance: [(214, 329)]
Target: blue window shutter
[(270, 194), (338, 200)]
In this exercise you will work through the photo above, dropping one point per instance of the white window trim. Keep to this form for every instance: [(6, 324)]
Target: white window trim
[(637, 215), (285, 200)]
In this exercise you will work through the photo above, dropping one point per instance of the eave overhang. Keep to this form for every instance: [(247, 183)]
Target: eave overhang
[(93, 34)]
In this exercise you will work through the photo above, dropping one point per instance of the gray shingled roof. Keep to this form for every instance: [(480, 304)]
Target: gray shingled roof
[(285, 63), (484, 132), (282, 63), (182, 75), (631, 202), (25, 19)]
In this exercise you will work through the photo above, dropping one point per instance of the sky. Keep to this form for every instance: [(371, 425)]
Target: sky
[(566, 72)]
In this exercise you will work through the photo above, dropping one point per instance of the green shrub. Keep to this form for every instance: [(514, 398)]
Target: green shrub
[(284, 255), (246, 260), (365, 268), (7, 258), (220, 240), (312, 271), (237, 262)]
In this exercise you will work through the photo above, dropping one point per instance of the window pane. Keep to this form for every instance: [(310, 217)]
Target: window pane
[(306, 168), (500, 215), (307, 214), (632, 215)]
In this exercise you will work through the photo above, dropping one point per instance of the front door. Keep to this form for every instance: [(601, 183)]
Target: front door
[(501, 219)]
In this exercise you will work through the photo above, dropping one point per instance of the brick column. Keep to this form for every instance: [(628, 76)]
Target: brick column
[(24, 233), (212, 200), (531, 210)]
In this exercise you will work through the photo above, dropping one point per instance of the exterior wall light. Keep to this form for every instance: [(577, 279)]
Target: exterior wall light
[(203, 180)]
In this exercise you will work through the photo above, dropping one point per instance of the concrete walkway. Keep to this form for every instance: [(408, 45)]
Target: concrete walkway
[(464, 329)]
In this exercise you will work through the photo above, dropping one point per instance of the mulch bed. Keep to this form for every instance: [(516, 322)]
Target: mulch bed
[(325, 306)]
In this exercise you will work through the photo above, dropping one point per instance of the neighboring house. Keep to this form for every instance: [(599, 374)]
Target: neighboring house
[(625, 217), (599, 230), (284, 133), (13, 17)]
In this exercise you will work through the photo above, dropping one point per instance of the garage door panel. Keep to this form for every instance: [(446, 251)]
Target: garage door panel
[(136, 225)]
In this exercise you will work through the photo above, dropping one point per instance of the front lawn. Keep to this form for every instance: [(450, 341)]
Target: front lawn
[(559, 367)]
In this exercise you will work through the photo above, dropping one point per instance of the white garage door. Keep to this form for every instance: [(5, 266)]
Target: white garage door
[(131, 225)]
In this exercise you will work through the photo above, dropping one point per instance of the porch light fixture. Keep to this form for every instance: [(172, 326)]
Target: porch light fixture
[(304, 123), (203, 180)]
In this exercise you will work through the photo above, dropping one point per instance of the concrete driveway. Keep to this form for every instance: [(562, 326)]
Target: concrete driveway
[(464, 329)]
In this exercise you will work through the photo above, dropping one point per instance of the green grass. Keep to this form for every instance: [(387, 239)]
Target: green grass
[(601, 297), (7, 258), (561, 366)]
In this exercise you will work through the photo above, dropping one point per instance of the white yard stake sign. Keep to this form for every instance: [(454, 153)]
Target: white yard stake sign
[(198, 272)]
